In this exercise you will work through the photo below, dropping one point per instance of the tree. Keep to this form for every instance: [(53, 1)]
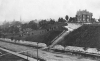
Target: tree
[(16, 23), (61, 20), (43, 23), (5, 25), (72, 19), (52, 21), (66, 17), (24, 26), (13, 29), (99, 19), (93, 20), (33, 25)]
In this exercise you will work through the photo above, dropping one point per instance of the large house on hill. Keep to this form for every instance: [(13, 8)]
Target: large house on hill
[(84, 16)]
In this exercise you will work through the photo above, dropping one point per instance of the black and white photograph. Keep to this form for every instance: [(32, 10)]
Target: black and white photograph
[(49, 30)]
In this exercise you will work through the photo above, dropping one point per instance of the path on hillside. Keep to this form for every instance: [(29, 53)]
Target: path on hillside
[(42, 54), (70, 27), (59, 38)]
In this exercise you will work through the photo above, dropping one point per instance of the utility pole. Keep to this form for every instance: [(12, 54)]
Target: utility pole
[(37, 51), (27, 55)]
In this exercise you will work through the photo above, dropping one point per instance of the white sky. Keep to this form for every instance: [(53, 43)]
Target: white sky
[(41, 9)]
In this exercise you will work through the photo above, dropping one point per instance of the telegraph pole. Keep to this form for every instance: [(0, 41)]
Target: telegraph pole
[(27, 55), (37, 51)]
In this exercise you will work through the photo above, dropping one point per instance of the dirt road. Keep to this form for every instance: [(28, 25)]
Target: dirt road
[(42, 54)]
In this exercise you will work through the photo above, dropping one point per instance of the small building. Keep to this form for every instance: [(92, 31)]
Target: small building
[(84, 16)]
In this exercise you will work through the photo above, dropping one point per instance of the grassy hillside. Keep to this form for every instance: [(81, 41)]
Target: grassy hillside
[(44, 38), (85, 36)]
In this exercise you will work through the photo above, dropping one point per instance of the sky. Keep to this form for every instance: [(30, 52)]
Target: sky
[(45, 9)]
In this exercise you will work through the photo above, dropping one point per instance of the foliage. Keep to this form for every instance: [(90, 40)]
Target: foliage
[(13, 29), (15, 23), (33, 25), (52, 21), (99, 19), (72, 19), (24, 26), (93, 20), (61, 20), (43, 23), (16, 27), (66, 17)]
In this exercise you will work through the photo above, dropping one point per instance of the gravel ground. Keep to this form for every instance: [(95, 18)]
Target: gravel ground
[(42, 54), (5, 56), (2, 52)]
